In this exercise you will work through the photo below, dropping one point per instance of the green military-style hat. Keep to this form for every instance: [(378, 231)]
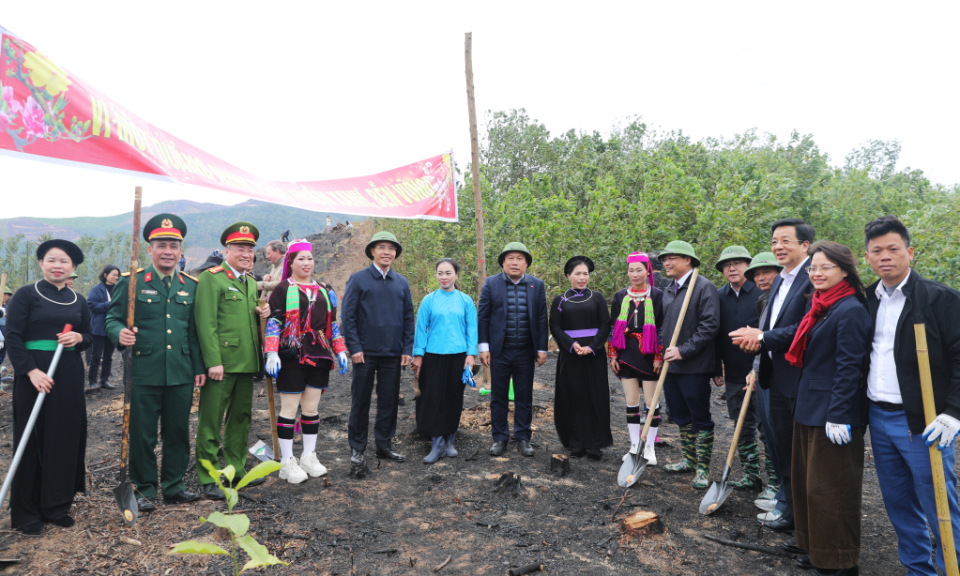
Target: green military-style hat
[(383, 237), (165, 226), (74, 274), (240, 233), (515, 247), (7, 290), (679, 248), (762, 260), (732, 253)]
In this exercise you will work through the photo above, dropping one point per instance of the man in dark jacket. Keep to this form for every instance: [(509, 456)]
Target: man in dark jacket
[(378, 327), (900, 299), (692, 360), (738, 308), (789, 303), (512, 330)]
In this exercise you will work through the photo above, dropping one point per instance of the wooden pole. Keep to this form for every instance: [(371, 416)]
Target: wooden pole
[(475, 174), (3, 285), (271, 403), (936, 460)]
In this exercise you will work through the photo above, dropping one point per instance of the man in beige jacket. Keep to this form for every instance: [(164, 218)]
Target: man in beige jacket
[(275, 251)]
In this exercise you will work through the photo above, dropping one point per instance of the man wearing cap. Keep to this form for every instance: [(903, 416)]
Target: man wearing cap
[(226, 315), (512, 329), (738, 308), (692, 360), (72, 279), (166, 363), (377, 323), (762, 271)]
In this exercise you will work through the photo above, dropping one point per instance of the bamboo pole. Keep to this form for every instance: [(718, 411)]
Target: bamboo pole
[(475, 174), (936, 460)]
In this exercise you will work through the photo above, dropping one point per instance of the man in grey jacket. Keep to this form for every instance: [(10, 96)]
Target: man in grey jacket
[(692, 360)]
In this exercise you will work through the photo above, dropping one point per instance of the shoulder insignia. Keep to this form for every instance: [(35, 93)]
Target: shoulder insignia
[(185, 275), (139, 270), (215, 269)]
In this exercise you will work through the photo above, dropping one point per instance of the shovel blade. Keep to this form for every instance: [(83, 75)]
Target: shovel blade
[(714, 498), (631, 469), (127, 502)]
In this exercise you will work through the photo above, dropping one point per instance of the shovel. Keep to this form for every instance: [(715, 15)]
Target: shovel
[(719, 492), (31, 421), (124, 493), (635, 464)]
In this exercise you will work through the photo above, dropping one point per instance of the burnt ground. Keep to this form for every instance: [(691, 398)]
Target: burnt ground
[(342, 525)]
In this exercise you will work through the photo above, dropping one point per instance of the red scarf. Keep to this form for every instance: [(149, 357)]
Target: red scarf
[(822, 301)]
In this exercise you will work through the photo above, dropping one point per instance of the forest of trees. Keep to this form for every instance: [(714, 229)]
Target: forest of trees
[(638, 189)]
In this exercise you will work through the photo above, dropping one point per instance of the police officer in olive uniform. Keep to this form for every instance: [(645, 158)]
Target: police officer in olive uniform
[(166, 363), (227, 325)]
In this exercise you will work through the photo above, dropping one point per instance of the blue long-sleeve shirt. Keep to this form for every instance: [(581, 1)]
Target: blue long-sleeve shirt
[(446, 324)]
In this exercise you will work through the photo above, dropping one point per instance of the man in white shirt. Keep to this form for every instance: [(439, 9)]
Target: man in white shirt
[(899, 433)]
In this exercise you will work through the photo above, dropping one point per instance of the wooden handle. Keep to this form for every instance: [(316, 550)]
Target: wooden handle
[(736, 433), (936, 459), (131, 303), (3, 284), (666, 365)]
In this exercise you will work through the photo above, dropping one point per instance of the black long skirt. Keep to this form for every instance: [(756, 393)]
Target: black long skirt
[(582, 402), (52, 468), (441, 394)]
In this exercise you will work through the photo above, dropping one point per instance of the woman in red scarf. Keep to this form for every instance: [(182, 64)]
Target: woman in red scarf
[(831, 347)]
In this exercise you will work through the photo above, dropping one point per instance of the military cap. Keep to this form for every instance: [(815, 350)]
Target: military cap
[(515, 247), (762, 260), (383, 237), (732, 253), (240, 233), (679, 248), (166, 226), (72, 250), (7, 290), (74, 274)]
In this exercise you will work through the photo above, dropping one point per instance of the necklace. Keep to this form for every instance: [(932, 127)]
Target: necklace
[(36, 287)]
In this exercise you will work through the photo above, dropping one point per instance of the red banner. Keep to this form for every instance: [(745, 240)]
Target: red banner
[(49, 114)]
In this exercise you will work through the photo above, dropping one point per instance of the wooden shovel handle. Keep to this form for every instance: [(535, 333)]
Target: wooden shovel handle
[(736, 433), (131, 303), (666, 365)]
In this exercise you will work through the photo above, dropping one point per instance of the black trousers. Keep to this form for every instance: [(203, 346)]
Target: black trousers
[(386, 370), (517, 364), (781, 419), (102, 348)]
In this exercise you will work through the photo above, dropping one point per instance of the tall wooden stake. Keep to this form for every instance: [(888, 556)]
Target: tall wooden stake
[(936, 459), (475, 172)]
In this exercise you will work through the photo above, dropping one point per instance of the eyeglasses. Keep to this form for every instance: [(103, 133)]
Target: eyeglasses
[(786, 242), (817, 270)]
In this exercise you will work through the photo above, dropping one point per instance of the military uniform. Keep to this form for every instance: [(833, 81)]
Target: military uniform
[(165, 361), (227, 328)]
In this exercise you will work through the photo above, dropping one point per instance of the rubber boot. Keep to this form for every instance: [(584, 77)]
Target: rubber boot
[(437, 452), (448, 441), (749, 453), (772, 481), (688, 451), (704, 454)]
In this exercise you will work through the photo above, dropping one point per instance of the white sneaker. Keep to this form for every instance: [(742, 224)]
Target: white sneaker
[(634, 449), (765, 504), (650, 454), (769, 516), (292, 472), (312, 466)]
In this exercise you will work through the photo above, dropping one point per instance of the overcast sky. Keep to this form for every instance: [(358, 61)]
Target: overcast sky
[(318, 90)]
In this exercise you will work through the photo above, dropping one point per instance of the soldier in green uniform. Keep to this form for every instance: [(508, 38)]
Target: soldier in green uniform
[(226, 315), (166, 363)]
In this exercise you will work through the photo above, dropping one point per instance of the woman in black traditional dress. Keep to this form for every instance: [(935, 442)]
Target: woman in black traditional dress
[(52, 468), (580, 324), (636, 349)]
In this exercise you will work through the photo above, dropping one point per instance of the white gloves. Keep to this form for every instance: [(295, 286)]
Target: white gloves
[(342, 357), (839, 434), (944, 427), (273, 364)]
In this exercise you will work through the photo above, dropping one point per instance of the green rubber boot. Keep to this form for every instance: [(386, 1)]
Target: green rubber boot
[(749, 453), (688, 451), (704, 454), (773, 486)]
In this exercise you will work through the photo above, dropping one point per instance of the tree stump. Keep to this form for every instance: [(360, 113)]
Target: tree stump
[(641, 523), (508, 483), (559, 465), (359, 472)]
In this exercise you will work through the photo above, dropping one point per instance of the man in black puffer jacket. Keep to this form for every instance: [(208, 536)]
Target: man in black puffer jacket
[(512, 329)]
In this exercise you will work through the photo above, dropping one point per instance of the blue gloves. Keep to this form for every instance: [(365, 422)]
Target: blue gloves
[(342, 357), (468, 377), (273, 364), (944, 427), (839, 434), (333, 297)]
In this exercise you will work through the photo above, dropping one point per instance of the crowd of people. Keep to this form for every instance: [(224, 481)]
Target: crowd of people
[(825, 354)]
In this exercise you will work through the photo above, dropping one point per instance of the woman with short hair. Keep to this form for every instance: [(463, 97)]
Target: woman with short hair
[(302, 341), (102, 349), (444, 346), (830, 347), (52, 469), (580, 324)]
